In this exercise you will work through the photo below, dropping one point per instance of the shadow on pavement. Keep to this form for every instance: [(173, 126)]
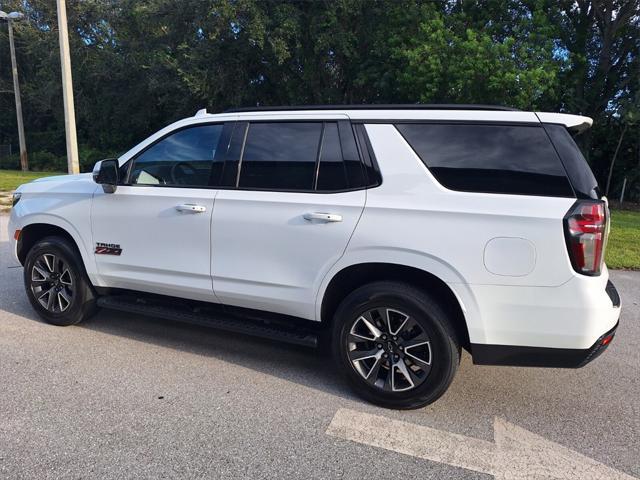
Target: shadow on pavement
[(310, 367)]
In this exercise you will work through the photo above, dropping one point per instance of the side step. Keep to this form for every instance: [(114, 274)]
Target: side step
[(208, 317)]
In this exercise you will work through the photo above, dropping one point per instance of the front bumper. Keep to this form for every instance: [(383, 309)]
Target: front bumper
[(11, 230), (528, 356)]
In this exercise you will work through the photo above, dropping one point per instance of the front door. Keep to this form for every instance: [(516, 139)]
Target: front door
[(154, 233)]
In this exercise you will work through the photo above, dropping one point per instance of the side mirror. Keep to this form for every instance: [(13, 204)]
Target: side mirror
[(105, 172)]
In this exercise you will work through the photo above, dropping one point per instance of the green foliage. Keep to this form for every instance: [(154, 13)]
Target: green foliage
[(10, 162), (623, 249), (38, 162), (140, 64), (453, 60)]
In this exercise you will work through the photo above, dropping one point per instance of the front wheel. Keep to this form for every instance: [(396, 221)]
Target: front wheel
[(395, 344), (56, 282)]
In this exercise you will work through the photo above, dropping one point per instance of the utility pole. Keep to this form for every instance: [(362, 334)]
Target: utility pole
[(10, 18), (73, 164)]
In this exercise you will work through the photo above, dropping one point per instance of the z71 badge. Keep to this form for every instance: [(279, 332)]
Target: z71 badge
[(107, 249)]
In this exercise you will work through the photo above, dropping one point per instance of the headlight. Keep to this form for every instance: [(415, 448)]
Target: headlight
[(16, 198)]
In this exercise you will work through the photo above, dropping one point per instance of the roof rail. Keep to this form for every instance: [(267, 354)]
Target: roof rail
[(410, 106)]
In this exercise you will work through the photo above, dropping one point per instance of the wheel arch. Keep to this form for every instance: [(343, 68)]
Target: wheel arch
[(353, 276), (31, 233)]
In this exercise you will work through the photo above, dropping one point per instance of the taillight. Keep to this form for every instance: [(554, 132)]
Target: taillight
[(585, 228)]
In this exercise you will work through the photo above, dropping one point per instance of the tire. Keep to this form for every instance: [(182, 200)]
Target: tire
[(425, 353), (57, 284)]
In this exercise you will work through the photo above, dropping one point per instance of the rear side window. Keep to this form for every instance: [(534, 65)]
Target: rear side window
[(280, 156), (294, 156), (511, 159)]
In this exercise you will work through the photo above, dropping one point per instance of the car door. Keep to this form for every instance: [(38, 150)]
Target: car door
[(153, 233), (297, 197)]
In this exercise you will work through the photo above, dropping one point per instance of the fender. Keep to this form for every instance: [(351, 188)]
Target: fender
[(22, 221), (415, 259)]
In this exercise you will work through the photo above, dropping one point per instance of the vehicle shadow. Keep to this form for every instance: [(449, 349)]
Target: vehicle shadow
[(310, 367)]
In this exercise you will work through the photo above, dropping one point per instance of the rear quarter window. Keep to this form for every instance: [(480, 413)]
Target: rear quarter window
[(510, 159), (582, 179)]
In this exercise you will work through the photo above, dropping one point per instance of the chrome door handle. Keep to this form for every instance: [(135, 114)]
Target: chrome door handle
[(191, 208), (323, 217)]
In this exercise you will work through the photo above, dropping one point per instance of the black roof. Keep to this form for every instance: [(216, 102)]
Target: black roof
[(411, 106)]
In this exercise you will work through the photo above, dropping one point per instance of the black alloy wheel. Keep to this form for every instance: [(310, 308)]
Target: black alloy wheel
[(395, 344), (52, 283), (389, 349), (56, 282)]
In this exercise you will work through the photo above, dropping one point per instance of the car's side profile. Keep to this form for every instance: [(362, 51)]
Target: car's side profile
[(400, 234)]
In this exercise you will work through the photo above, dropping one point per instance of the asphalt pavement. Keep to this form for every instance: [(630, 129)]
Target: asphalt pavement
[(124, 396)]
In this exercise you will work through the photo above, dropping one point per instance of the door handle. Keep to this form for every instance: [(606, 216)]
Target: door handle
[(191, 208), (323, 217)]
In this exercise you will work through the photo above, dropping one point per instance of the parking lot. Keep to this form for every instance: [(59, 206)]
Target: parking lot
[(123, 396)]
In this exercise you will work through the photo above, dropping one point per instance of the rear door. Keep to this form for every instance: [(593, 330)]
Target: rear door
[(297, 195)]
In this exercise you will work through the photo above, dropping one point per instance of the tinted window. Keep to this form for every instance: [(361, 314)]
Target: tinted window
[(183, 158), (582, 179), (229, 175), (373, 178), (332, 174), (217, 169), (280, 156), (490, 158)]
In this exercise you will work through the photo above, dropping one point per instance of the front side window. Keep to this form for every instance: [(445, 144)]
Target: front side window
[(511, 159), (182, 159)]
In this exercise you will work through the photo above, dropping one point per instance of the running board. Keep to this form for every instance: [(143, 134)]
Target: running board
[(206, 317)]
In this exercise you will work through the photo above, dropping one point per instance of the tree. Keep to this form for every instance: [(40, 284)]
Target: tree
[(140, 64)]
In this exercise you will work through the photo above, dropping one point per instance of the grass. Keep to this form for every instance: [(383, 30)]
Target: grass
[(623, 250), (10, 179)]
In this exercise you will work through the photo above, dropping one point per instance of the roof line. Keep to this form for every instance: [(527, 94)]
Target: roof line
[(411, 106)]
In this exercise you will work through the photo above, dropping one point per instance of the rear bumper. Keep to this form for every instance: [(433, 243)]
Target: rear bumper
[(559, 356), (517, 356), (569, 316)]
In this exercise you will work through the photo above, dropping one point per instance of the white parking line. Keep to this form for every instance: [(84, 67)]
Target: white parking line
[(516, 453)]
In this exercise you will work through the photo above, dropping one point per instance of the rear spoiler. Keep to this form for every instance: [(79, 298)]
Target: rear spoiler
[(575, 123)]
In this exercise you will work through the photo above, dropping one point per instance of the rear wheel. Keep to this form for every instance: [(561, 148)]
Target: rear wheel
[(56, 283), (395, 344)]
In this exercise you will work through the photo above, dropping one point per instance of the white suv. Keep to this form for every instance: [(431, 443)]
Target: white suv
[(401, 234)]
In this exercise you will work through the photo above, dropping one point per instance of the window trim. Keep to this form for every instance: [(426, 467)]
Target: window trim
[(126, 182), (316, 170)]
